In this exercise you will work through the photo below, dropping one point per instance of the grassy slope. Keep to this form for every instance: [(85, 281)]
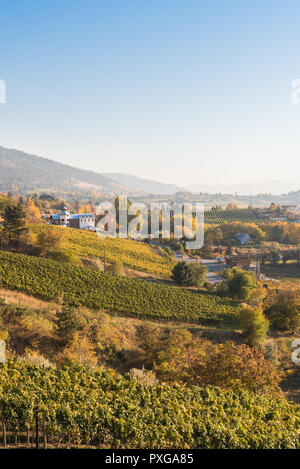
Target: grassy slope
[(233, 216), (290, 271), (134, 254), (51, 280)]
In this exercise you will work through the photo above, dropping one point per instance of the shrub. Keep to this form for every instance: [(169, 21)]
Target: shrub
[(254, 325), (284, 311), (37, 359), (271, 352), (50, 240), (66, 255), (238, 284), (145, 377), (234, 367), (189, 274)]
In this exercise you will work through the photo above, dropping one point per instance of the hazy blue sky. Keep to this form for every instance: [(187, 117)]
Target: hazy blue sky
[(183, 91)]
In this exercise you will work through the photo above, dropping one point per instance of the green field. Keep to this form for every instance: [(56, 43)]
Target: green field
[(243, 215), (52, 281), (134, 254), (289, 271)]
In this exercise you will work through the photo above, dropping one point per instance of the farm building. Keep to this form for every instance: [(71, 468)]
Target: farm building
[(242, 262), (80, 221)]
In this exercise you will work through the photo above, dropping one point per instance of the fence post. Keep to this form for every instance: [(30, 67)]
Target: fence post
[(44, 434), (3, 425), (37, 428), (4, 433)]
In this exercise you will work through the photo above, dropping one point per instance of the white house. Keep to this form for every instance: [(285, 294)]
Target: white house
[(80, 221), (243, 238)]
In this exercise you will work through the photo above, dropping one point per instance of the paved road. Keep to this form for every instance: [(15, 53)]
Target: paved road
[(214, 269)]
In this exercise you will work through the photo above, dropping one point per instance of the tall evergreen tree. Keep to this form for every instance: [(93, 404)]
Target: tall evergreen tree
[(14, 221), (67, 323)]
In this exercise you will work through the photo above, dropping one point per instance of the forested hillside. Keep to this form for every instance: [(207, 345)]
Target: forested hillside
[(21, 171)]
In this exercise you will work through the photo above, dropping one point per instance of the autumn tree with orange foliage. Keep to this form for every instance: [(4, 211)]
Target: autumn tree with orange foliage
[(32, 212), (86, 208), (232, 367), (81, 350), (182, 358)]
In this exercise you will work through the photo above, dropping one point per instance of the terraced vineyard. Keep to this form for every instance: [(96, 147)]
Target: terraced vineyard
[(134, 254), (79, 406), (243, 215), (51, 280)]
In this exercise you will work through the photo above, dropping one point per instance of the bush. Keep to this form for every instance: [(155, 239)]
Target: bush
[(12, 313), (238, 284), (283, 311), (234, 367), (207, 251), (50, 240), (37, 359), (66, 255), (254, 325), (145, 377), (189, 274)]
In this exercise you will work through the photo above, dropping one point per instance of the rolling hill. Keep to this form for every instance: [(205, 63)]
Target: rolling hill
[(144, 185), (24, 172), (20, 171), (134, 254), (50, 280)]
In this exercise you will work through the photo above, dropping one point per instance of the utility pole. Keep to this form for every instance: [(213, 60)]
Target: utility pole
[(257, 265)]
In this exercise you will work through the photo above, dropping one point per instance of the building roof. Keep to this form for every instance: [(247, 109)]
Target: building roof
[(56, 216), (76, 216)]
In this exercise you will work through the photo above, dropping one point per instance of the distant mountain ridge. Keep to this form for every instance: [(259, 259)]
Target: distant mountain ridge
[(145, 185), (22, 171), (254, 188)]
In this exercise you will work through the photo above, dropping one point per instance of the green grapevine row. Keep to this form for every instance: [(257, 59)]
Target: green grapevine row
[(232, 216), (51, 280), (97, 407), (135, 254)]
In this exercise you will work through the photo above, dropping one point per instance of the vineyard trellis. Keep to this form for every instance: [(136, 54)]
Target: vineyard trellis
[(242, 215), (80, 406), (134, 254), (50, 280)]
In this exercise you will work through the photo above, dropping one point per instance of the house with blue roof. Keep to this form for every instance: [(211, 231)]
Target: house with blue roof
[(81, 221)]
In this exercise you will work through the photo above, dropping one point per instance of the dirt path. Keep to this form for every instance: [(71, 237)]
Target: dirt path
[(211, 332), (15, 297)]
